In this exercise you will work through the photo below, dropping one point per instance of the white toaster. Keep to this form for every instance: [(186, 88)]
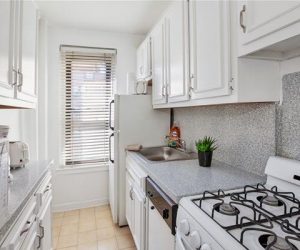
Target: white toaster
[(18, 153)]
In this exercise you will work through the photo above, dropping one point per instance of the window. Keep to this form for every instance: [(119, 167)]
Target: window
[(88, 76)]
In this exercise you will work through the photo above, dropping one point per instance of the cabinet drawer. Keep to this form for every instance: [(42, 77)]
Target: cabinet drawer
[(22, 228), (137, 174)]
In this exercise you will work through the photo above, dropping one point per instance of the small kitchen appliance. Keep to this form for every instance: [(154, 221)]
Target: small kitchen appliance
[(265, 216), (19, 154)]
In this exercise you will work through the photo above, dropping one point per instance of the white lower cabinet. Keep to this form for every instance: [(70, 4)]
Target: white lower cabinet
[(129, 202), (135, 212), (32, 230), (135, 203), (139, 219)]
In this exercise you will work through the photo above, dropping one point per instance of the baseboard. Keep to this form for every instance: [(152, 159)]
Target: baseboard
[(78, 205)]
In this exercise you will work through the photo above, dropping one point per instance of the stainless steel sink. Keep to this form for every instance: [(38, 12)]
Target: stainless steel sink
[(165, 154)]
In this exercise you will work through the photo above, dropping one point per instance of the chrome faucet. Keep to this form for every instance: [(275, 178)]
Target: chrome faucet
[(180, 144)]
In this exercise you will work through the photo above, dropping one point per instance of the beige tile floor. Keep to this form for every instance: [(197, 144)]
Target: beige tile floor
[(89, 229)]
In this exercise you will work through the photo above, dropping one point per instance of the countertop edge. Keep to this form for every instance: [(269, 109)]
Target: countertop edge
[(135, 156), (8, 225)]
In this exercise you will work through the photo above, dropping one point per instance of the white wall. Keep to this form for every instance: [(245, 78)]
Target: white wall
[(290, 66), (11, 118), (79, 188)]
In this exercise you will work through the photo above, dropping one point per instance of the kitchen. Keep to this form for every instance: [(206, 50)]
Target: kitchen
[(102, 103)]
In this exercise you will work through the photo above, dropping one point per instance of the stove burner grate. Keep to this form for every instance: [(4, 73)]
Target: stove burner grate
[(262, 216)]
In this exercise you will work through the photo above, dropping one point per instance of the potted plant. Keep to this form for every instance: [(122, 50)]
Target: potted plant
[(205, 148)]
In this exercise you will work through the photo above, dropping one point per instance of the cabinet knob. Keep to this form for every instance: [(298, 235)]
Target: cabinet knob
[(166, 213), (152, 207)]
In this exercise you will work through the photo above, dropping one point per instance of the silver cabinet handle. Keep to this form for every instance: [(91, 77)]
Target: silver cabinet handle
[(164, 90), (15, 77), (48, 188), (130, 194), (243, 26), (20, 74), (41, 236), (29, 223)]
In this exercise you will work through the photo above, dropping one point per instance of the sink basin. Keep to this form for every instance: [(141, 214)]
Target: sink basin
[(165, 154)]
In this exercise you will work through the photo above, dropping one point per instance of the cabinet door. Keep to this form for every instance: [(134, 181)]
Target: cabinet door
[(139, 61), (158, 64), (177, 77), (7, 14), (44, 226), (30, 242), (210, 49), (129, 202), (147, 58), (260, 18), (139, 220), (27, 52)]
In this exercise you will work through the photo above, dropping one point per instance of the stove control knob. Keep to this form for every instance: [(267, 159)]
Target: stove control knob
[(184, 227), (205, 246), (195, 240)]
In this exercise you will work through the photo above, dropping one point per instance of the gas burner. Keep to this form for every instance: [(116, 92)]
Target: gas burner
[(281, 244), (270, 200), (226, 209)]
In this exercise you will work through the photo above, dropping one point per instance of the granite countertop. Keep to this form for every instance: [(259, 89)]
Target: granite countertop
[(25, 181), (184, 178)]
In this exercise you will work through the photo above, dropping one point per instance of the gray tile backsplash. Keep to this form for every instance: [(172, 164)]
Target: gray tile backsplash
[(245, 133), (288, 118), (248, 134)]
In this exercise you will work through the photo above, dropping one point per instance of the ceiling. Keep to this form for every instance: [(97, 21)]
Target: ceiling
[(134, 17)]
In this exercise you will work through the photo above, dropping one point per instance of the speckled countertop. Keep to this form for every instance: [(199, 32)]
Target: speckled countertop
[(184, 178), (25, 181)]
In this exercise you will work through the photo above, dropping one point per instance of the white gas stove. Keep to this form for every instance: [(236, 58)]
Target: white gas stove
[(254, 217)]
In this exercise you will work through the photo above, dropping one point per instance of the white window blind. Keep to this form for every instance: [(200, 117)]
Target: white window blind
[(88, 76)]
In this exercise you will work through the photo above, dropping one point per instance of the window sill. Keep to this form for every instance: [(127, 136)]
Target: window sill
[(61, 170)]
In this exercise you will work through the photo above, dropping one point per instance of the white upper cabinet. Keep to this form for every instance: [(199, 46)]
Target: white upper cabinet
[(210, 49), (18, 47), (143, 71), (264, 23), (26, 88), (176, 46), (6, 31), (159, 94)]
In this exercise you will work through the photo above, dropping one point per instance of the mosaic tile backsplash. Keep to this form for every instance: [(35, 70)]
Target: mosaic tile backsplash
[(288, 118), (245, 133), (248, 134)]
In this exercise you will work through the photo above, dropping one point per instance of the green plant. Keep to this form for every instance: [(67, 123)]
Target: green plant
[(207, 144)]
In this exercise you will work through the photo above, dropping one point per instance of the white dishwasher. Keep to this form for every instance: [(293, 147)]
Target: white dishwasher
[(161, 218)]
